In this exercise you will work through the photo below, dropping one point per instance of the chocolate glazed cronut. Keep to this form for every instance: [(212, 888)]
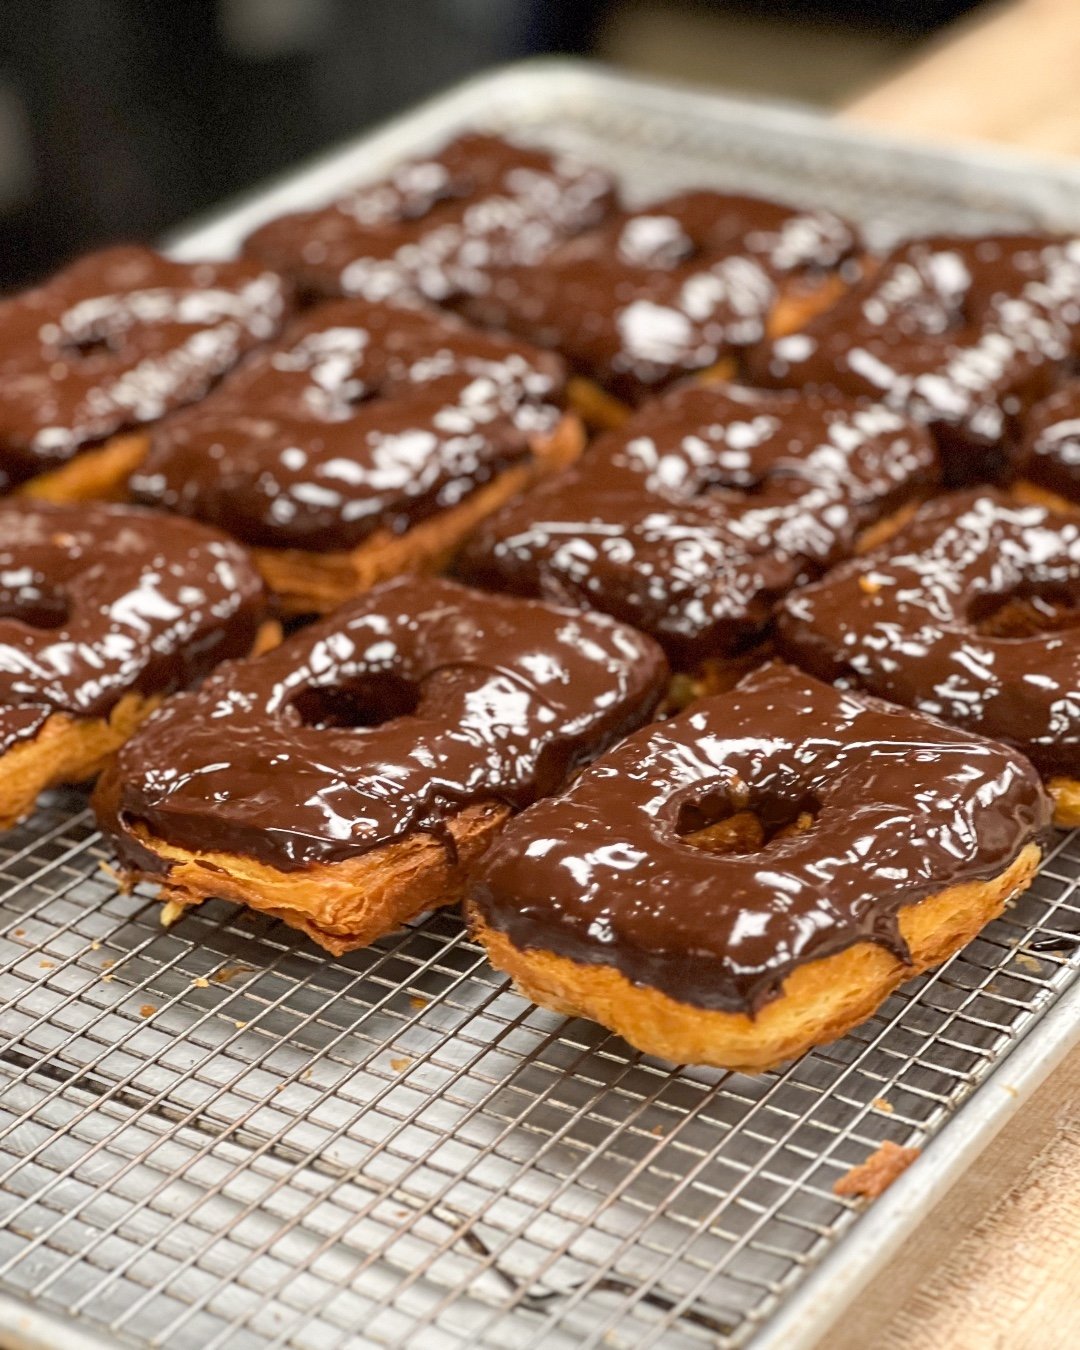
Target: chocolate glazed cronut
[(693, 519), (101, 601), (962, 334), (116, 340), (400, 710), (363, 417), (860, 809), (438, 227), (971, 613), (670, 290)]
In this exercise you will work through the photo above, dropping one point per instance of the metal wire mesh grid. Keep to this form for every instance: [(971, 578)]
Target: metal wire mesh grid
[(217, 1136), (214, 1136)]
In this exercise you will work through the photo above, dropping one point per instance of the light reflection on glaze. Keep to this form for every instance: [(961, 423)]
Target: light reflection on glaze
[(904, 807), (899, 623), (1050, 453), (510, 697), (364, 416), (705, 508), (98, 601), (666, 290), (962, 334), (438, 227), (118, 339)]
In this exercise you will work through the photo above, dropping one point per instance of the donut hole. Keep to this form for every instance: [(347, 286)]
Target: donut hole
[(1026, 611), (714, 827), (367, 702), (42, 607), (87, 344)]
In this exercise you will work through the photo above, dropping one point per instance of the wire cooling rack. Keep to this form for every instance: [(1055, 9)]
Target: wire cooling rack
[(218, 1136)]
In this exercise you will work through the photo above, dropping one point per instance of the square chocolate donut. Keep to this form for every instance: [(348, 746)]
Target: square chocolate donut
[(672, 289), (753, 877), (350, 779), (365, 443), (111, 345), (963, 335), (103, 611), (438, 227), (693, 519), (970, 613)]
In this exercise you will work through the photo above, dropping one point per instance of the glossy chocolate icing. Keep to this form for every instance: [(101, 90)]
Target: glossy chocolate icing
[(667, 290), (707, 506), (99, 601), (409, 703), (903, 807), (926, 621), (363, 417), (117, 340), (438, 227), (1050, 451), (962, 334)]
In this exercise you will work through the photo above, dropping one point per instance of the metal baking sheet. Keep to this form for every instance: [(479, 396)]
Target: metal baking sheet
[(217, 1136)]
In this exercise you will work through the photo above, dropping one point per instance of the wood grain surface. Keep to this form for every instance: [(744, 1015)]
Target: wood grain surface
[(1010, 75), (997, 1264)]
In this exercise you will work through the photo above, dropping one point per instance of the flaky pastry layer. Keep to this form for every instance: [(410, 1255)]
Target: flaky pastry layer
[(340, 905), (99, 475), (306, 582), (819, 1001)]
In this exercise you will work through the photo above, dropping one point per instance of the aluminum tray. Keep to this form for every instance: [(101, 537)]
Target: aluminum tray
[(218, 1136)]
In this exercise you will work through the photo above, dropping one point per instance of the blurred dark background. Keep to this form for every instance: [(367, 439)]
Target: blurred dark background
[(118, 118)]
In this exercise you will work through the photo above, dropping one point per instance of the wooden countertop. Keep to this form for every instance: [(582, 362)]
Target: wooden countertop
[(1011, 77), (995, 1265)]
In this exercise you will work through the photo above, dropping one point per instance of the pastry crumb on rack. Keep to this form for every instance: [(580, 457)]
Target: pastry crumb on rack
[(867, 1180)]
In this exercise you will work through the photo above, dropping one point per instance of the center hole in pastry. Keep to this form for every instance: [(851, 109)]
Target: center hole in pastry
[(87, 344), (1026, 611), (367, 702), (714, 827), (37, 607)]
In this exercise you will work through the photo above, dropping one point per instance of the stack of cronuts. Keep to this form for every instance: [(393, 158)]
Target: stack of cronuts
[(690, 592)]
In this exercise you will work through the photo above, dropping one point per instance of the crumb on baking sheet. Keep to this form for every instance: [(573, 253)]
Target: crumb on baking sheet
[(226, 973), (147, 1010), (882, 1104), (873, 1177), (400, 1064)]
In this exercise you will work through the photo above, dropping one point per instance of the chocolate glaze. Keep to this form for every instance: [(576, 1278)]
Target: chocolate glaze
[(364, 416), (1050, 450), (904, 807), (706, 507), (99, 601), (284, 758), (667, 290), (923, 621), (962, 334), (117, 340), (438, 227)]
